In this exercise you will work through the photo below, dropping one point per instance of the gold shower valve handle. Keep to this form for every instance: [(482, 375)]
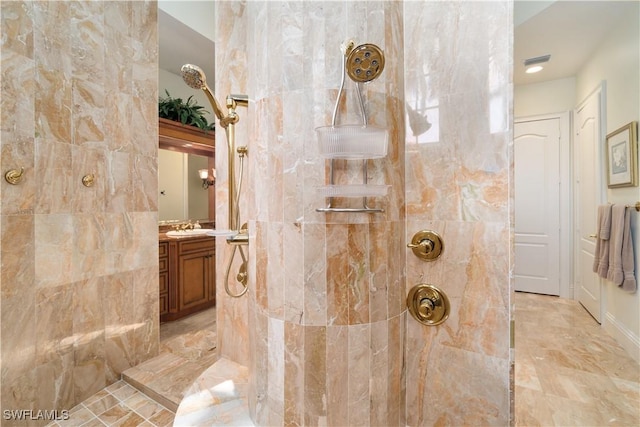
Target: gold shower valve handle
[(425, 308), (428, 304), (426, 245)]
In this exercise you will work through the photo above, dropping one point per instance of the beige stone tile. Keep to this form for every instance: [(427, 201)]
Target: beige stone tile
[(103, 404), (77, 417), (124, 392), (143, 405), (89, 400), (113, 414), (94, 422), (584, 377), (130, 420), (162, 418)]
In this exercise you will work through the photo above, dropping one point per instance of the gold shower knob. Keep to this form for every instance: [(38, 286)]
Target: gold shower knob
[(428, 304), (426, 245)]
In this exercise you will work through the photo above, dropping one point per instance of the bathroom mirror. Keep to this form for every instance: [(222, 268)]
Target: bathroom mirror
[(181, 195)]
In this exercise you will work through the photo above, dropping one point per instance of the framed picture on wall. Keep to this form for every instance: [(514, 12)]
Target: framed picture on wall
[(622, 156)]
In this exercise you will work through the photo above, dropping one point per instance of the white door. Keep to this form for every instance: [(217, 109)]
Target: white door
[(537, 206), (588, 196)]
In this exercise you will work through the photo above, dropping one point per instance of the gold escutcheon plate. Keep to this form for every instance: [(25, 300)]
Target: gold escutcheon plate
[(428, 304)]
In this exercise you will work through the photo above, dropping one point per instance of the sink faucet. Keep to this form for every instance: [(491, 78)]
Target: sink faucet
[(182, 227)]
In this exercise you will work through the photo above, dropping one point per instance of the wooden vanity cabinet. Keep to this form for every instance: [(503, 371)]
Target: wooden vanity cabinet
[(163, 279), (192, 275)]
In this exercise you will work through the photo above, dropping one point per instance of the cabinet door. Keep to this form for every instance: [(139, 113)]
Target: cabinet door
[(164, 304), (163, 277), (194, 279)]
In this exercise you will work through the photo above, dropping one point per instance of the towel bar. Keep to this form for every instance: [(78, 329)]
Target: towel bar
[(636, 206)]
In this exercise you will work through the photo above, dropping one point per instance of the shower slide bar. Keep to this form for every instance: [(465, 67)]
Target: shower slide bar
[(237, 236)]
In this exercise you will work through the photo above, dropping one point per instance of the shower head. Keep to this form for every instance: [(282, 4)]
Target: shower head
[(195, 78), (365, 63)]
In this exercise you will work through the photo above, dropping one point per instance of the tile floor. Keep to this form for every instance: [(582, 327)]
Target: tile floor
[(187, 348), (568, 371)]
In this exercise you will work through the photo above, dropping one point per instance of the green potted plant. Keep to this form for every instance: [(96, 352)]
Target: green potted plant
[(183, 122), (188, 112)]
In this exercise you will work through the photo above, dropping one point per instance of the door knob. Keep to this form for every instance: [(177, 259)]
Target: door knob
[(426, 245), (428, 304)]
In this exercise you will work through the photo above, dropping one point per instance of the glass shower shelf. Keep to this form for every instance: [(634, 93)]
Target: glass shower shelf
[(221, 233), (361, 190)]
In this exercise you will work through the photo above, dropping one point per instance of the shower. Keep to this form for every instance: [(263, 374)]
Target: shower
[(237, 235)]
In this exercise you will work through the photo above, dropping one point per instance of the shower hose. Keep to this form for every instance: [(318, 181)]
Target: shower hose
[(242, 275)]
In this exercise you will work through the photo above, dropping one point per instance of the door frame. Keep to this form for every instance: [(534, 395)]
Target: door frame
[(566, 248)]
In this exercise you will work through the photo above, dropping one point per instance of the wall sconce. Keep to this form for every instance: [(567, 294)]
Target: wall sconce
[(206, 179)]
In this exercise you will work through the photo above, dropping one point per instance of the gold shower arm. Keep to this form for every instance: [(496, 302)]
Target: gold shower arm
[(217, 110)]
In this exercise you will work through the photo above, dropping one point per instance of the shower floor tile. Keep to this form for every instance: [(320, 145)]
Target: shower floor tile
[(149, 394)]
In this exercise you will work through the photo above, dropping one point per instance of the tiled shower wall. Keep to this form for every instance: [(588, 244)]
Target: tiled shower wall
[(79, 283), (324, 328), (458, 65)]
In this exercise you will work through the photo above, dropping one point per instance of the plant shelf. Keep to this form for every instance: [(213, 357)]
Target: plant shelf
[(176, 136)]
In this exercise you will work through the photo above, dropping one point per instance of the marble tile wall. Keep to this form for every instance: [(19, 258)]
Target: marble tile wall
[(232, 77), (457, 184), (323, 288), (324, 328), (79, 301)]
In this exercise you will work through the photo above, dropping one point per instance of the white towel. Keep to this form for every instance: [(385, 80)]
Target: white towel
[(621, 256), (601, 255)]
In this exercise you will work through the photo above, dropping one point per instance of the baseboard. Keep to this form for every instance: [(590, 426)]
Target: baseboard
[(627, 339)]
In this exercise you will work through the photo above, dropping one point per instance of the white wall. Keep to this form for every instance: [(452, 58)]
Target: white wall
[(555, 96), (199, 15), (617, 62)]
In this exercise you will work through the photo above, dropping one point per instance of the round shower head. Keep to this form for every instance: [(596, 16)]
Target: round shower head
[(193, 76), (365, 63)]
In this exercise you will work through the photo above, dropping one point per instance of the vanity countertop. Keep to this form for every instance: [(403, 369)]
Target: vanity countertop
[(162, 237)]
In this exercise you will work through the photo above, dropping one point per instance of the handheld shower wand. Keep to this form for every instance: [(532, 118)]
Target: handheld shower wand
[(194, 77)]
